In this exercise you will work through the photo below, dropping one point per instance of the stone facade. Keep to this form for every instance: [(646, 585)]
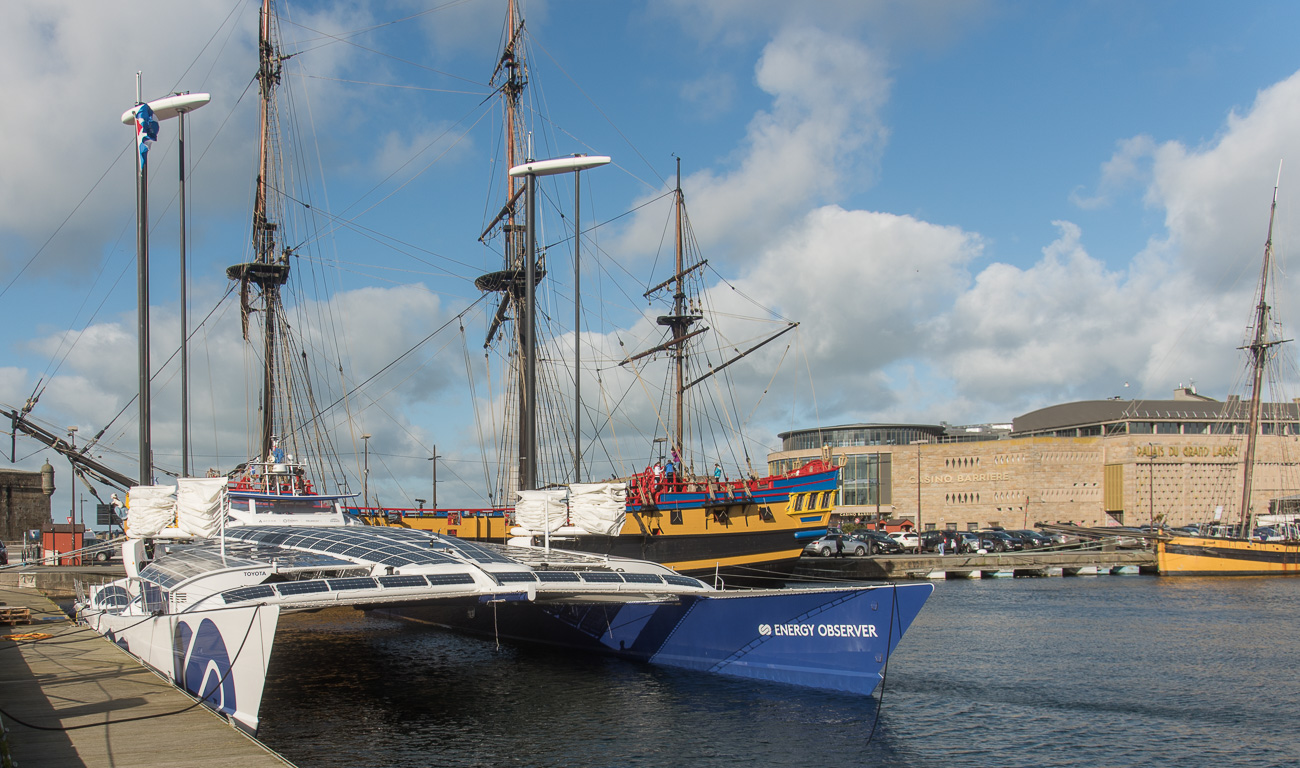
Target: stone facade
[(1094, 481), (23, 505)]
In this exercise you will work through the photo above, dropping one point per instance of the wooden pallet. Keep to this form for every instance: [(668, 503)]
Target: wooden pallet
[(12, 616)]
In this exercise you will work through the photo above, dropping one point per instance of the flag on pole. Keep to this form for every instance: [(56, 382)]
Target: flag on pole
[(146, 130)]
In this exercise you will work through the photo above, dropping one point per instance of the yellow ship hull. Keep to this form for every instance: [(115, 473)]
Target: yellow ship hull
[(1197, 556), (744, 538)]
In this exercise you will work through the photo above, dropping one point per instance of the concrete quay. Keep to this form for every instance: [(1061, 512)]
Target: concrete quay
[(69, 697), (931, 566)]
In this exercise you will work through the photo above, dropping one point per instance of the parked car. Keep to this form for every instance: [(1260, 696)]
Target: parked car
[(999, 541), (908, 539), (1038, 540), (1058, 538), (878, 543), (1024, 541), (952, 541), (4, 554), (970, 541), (825, 546), (99, 550), (858, 544)]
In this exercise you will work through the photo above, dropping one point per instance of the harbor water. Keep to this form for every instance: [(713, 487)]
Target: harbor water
[(1087, 671)]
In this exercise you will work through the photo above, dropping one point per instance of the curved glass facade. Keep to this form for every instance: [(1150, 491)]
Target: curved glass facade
[(861, 434), (865, 478)]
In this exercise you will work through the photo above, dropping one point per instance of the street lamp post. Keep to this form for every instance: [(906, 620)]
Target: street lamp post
[(145, 116), (365, 476), (434, 461), (72, 473), (528, 328), (919, 528)]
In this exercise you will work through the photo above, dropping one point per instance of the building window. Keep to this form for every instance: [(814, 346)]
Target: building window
[(865, 479), (1167, 427), (1139, 427)]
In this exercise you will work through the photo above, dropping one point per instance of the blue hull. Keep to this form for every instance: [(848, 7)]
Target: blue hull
[(835, 639), (778, 492)]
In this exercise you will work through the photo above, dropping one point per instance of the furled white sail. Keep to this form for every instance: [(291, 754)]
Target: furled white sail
[(541, 510), (598, 508), (201, 505), (151, 508)]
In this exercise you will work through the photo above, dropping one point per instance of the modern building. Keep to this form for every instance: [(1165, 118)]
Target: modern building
[(1095, 463)]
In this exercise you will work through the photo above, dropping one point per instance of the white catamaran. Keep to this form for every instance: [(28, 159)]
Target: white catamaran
[(212, 562)]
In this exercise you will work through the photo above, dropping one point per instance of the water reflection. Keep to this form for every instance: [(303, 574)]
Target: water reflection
[(1086, 671)]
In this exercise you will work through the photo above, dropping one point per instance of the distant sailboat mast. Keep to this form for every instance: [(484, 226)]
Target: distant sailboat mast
[(1258, 349)]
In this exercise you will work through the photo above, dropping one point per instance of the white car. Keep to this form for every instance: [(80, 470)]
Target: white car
[(906, 538)]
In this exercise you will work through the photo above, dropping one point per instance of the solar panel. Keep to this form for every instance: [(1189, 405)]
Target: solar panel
[(286, 588), (258, 592), (181, 564), (439, 579), (514, 577), (389, 546), (602, 577), (682, 581), (642, 578), (340, 585), (402, 581), (558, 576)]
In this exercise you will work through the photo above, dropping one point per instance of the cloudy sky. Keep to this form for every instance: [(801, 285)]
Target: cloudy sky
[(974, 209)]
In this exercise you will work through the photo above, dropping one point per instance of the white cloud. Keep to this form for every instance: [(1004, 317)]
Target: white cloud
[(822, 134)]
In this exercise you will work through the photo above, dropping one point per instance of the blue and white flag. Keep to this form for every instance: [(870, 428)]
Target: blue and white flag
[(146, 130)]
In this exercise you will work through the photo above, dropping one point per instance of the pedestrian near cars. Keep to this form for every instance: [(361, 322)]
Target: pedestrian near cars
[(839, 546)]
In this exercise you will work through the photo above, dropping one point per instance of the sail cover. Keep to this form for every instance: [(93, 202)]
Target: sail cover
[(201, 505), (598, 508), (151, 508), (541, 510)]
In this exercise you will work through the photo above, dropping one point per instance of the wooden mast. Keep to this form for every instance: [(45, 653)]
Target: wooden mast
[(510, 79), (268, 271), (680, 321), (1258, 349)]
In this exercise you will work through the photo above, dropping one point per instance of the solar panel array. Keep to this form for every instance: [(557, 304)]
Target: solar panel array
[(396, 547), (340, 548), (182, 563), (351, 584)]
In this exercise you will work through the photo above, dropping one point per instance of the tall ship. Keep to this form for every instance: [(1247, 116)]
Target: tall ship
[(1242, 548), (681, 507)]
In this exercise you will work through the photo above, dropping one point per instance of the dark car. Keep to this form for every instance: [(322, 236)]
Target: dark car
[(998, 541), (1026, 541), (876, 543), (4, 554), (1041, 540), (953, 541)]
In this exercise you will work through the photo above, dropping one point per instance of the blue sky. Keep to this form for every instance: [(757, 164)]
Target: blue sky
[(975, 209)]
